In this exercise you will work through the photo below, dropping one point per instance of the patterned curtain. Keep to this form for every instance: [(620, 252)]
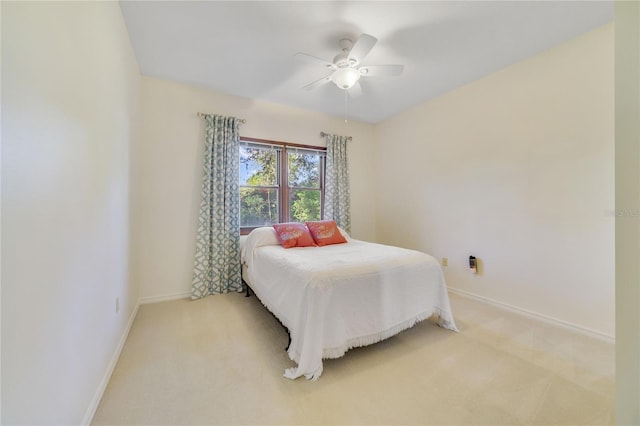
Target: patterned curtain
[(337, 199), (217, 262)]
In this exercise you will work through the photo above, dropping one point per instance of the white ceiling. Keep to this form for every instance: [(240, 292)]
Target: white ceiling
[(247, 48)]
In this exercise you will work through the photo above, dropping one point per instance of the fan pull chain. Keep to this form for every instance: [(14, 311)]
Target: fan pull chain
[(346, 107)]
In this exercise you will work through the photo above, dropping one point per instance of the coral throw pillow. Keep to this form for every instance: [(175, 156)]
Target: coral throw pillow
[(293, 235), (325, 232)]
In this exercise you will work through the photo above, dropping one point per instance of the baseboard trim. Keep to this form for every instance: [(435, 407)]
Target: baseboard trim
[(95, 401), (535, 315), (164, 298)]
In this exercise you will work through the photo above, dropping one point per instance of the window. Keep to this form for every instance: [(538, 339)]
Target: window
[(259, 185), (279, 183)]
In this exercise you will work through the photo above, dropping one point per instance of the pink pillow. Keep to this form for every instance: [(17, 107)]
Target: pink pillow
[(325, 232), (293, 235)]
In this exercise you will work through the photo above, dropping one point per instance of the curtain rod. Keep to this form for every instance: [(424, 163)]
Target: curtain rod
[(202, 114), (323, 134)]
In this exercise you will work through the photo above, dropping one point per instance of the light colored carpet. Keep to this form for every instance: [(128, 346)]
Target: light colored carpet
[(220, 360)]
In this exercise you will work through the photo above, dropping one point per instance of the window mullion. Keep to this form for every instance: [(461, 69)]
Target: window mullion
[(284, 185), (322, 181)]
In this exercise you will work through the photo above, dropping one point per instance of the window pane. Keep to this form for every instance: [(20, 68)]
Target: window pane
[(304, 170), (258, 166), (258, 206), (304, 205)]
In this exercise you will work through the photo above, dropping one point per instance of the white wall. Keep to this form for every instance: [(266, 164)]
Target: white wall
[(69, 114), (517, 169), (170, 172), (627, 74)]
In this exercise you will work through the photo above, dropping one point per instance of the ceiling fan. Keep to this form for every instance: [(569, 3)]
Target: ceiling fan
[(346, 68)]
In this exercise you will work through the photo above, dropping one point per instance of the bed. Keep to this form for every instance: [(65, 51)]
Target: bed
[(337, 297)]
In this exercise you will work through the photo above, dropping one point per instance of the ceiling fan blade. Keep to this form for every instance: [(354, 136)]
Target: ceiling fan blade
[(356, 90), (381, 70), (313, 60), (361, 47), (317, 83)]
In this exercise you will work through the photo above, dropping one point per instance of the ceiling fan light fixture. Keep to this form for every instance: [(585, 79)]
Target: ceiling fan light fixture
[(345, 78), (346, 65)]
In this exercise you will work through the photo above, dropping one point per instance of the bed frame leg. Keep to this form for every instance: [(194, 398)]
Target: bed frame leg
[(246, 288)]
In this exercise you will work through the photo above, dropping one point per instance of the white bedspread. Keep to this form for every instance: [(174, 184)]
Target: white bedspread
[(342, 296)]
